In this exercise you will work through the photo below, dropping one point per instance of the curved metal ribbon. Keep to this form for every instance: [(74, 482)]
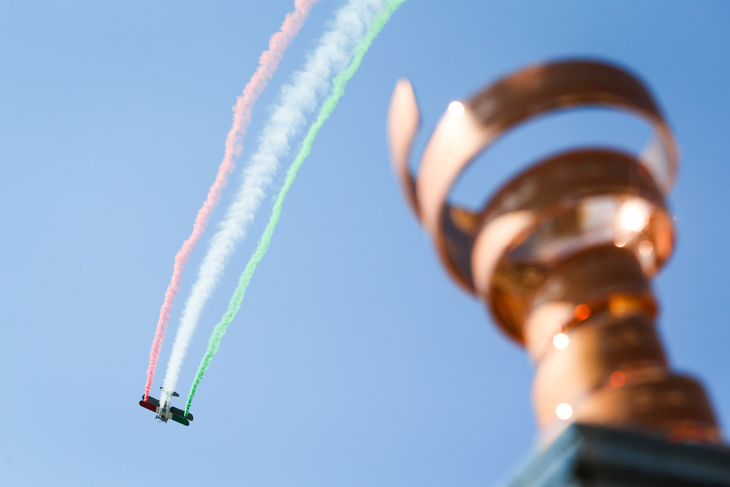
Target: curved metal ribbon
[(515, 99)]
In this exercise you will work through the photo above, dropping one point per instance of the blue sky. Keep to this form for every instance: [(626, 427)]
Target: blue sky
[(354, 360)]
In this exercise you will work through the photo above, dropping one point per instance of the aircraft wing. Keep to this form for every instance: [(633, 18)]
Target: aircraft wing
[(180, 420), (181, 413), (152, 401), (149, 406)]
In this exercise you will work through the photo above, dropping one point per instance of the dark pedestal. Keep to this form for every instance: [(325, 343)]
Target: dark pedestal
[(599, 457)]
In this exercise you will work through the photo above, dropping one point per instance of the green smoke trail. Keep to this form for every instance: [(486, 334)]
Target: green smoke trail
[(338, 89)]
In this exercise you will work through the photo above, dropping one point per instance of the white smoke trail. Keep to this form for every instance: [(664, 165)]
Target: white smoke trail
[(332, 55)]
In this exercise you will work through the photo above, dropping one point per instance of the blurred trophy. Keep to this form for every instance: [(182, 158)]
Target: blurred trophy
[(562, 255)]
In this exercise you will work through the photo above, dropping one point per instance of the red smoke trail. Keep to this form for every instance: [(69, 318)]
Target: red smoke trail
[(268, 62)]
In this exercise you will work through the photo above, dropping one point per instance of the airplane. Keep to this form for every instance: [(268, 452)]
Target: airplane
[(165, 411)]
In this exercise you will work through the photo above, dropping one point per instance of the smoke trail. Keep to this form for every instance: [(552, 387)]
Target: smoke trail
[(338, 89), (268, 62), (332, 54)]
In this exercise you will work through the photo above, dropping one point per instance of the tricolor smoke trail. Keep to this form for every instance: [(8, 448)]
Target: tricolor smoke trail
[(332, 54), (338, 89), (268, 62)]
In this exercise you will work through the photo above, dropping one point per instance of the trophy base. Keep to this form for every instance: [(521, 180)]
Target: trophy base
[(586, 455)]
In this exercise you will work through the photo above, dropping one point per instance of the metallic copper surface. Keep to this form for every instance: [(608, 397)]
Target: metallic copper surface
[(517, 98), (563, 253)]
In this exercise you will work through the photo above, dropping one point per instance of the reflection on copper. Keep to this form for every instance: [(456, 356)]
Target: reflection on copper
[(582, 311), (456, 108), (622, 305), (561, 341), (564, 411), (568, 246), (633, 216), (646, 247), (617, 378), (621, 241)]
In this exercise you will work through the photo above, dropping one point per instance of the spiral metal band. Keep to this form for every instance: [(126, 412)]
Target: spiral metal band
[(513, 100), (545, 254)]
